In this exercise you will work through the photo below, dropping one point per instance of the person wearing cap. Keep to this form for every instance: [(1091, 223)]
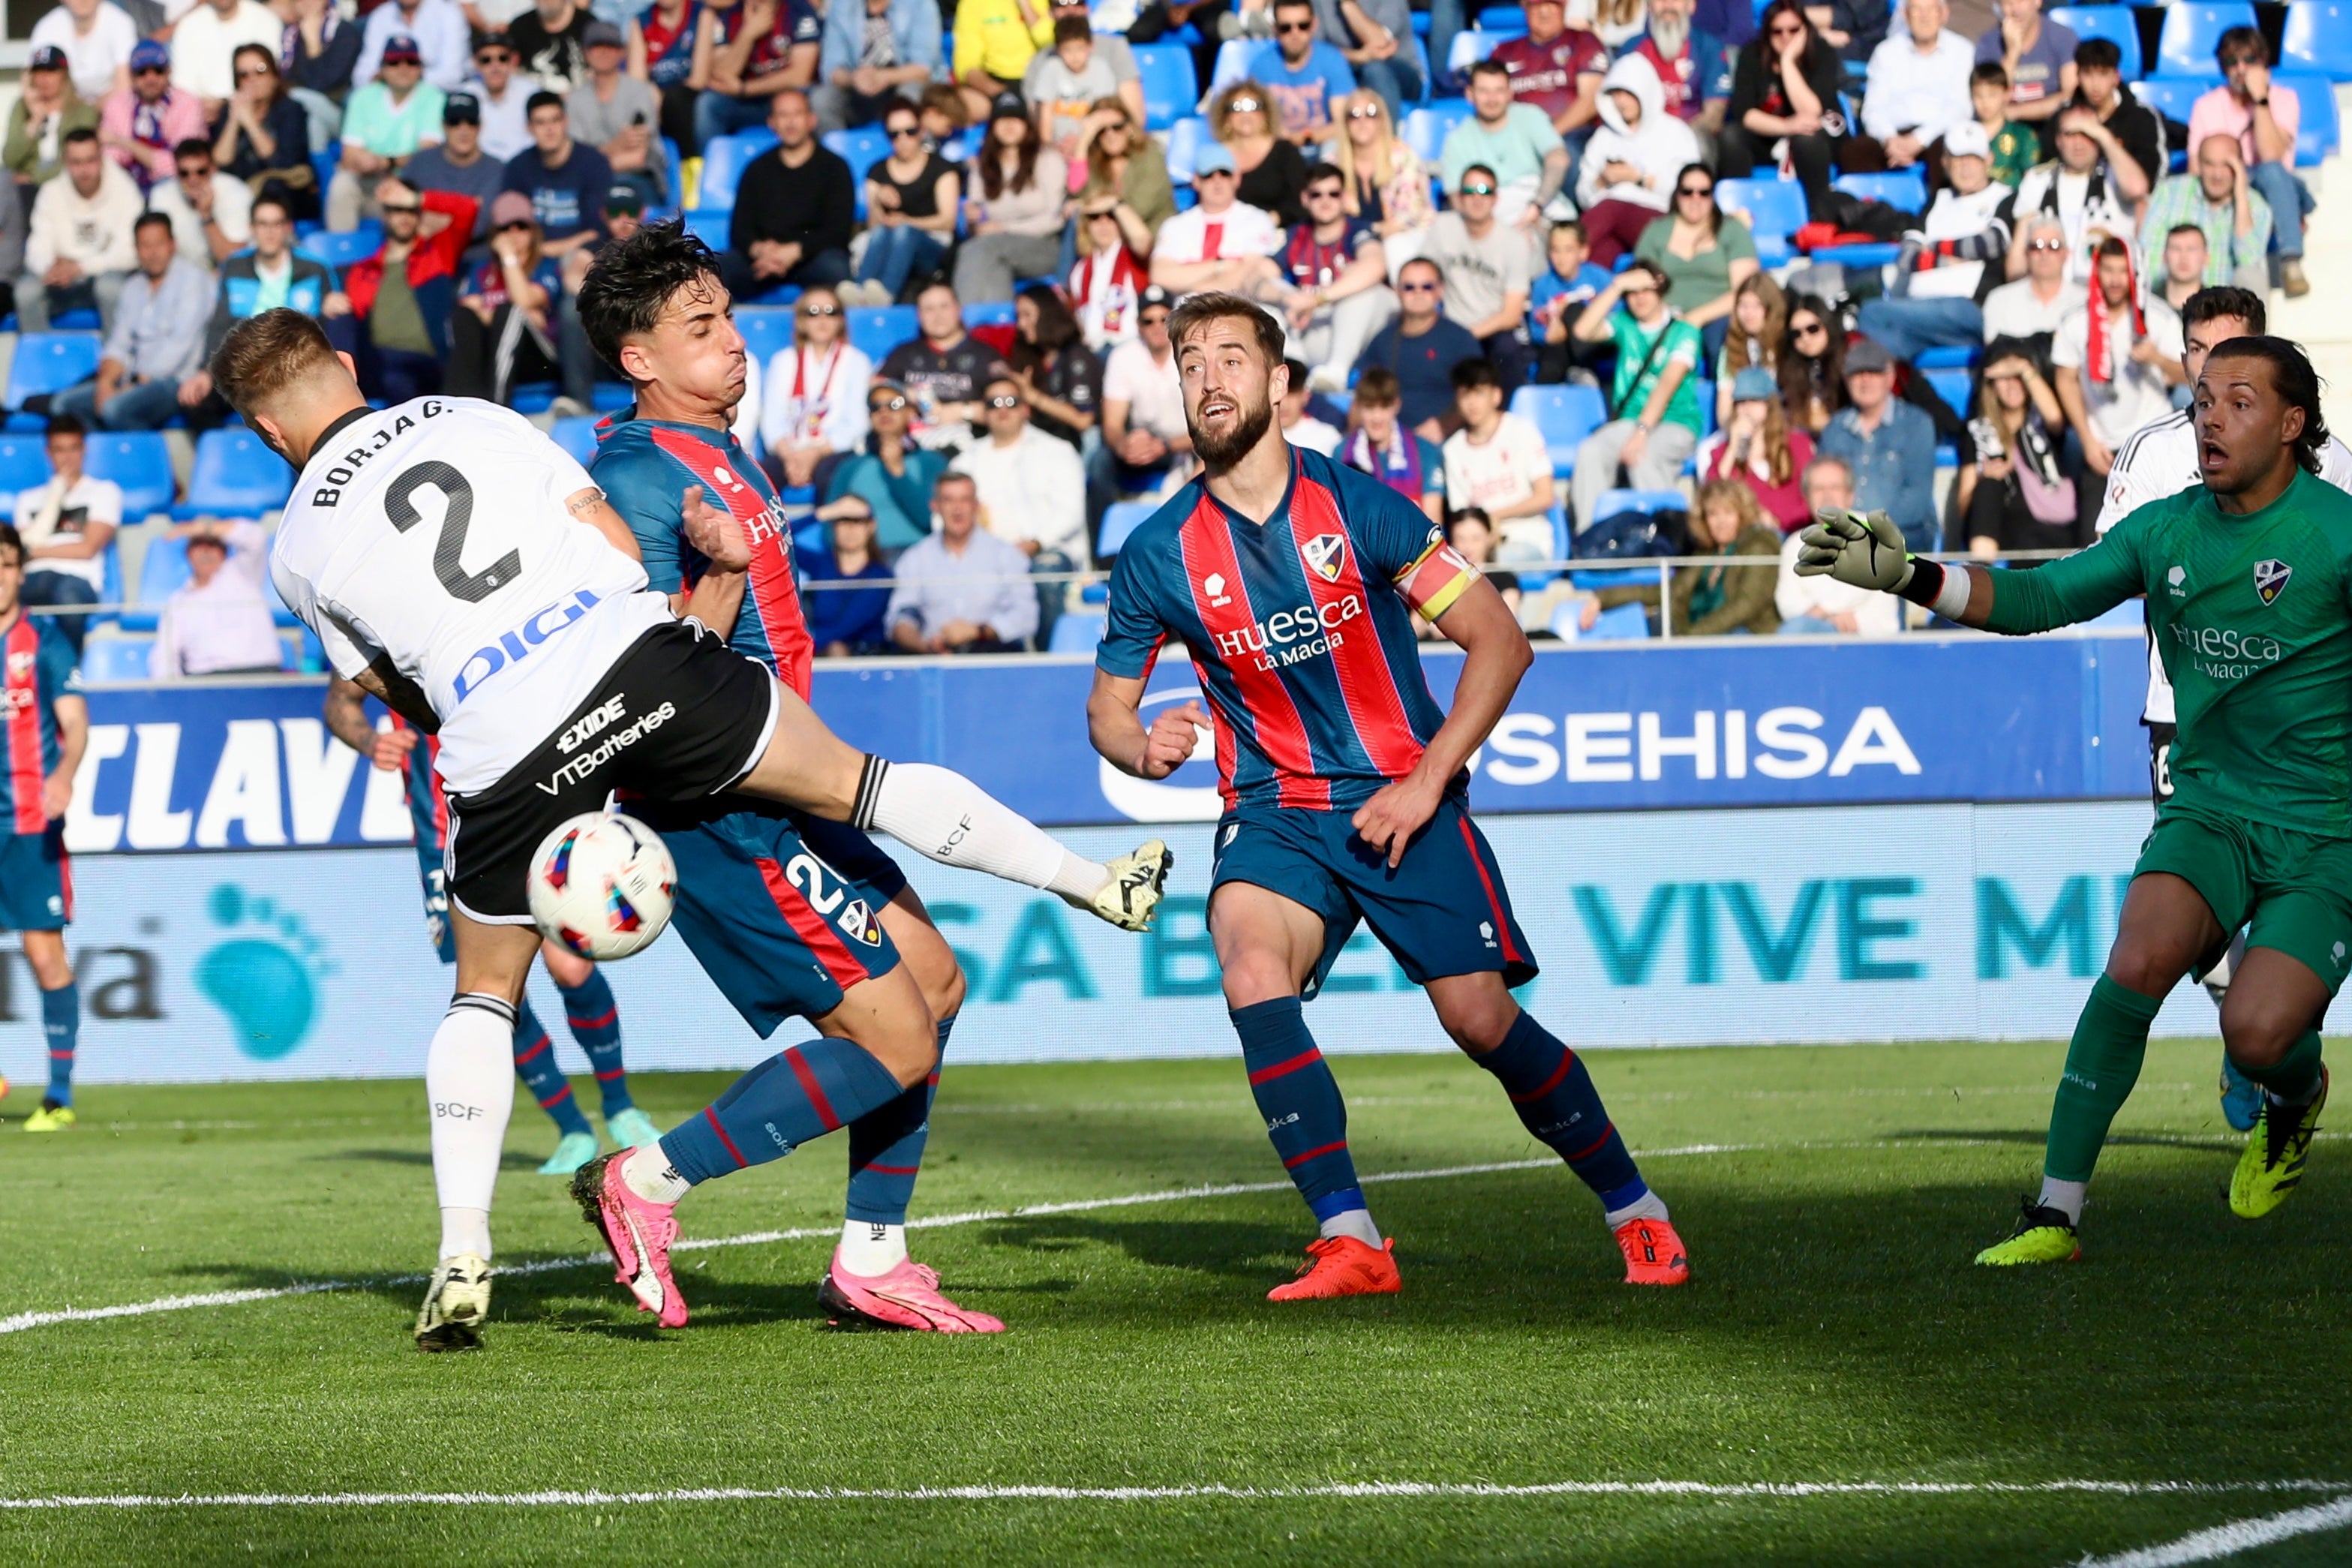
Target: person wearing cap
[(763, 47), (1758, 449), (460, 163), (625, 211), (384, 122), (97, 39), (501, 97), (211, 213), (78, 249), (265, 137), (1942, 276), (205, 43), (994, 42), (1918, 87), (217, 623), (140, 124), (1222, 242), (794, 209), (502, 334), (1888, 445), (397, 330), (1011, 208), (619, 115), (47, 108), (863, 70), (437, 28)]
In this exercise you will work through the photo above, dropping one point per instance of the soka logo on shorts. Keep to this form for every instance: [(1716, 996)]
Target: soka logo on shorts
[(1325, 556), (514, 646), (591, 724), (579, 768), (2270, 580)]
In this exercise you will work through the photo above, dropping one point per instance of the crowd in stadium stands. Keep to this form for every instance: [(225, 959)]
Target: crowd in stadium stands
[(171, 159)]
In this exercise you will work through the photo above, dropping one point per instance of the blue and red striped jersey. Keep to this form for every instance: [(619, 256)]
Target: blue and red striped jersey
[(644, 466), (37, 667), (1308, 263), (1300, 628), (428, 808)]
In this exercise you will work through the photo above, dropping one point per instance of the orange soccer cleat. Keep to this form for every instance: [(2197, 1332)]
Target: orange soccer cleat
[(1654, 1253), (1342, 1265)]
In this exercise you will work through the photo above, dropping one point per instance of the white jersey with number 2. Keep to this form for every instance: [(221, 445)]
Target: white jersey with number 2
[(436, 532), (2160, 460)]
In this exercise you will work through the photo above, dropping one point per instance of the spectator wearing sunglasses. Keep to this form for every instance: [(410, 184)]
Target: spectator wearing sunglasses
[(460, 164), (384, 122), (813, 402), (1785, 89), (1222, 243), (2264, 117), (1271, 173), (265, 137), (204, 41), (911, 200), (142, 123), (437, 28), (2030, 308), (1031, 489), (501, 97), (1706, 254), (1489, 271), (1304, 74), (401, 298), (1421, 348), (892, 475), (1336, 275), (502, 334), (1516, 141)]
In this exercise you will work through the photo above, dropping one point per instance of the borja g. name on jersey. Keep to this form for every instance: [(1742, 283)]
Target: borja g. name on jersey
[(438, 532)]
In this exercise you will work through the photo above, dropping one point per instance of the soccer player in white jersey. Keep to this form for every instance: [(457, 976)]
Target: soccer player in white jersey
[(460, 566), (2160, 459)]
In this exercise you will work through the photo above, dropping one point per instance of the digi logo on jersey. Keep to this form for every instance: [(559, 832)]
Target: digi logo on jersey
[(1291, 636), (514, 646)]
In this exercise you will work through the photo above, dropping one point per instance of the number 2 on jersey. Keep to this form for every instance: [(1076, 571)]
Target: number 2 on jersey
[(457, 517)]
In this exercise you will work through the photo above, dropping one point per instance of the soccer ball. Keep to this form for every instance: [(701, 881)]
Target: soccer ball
[(601, 885)]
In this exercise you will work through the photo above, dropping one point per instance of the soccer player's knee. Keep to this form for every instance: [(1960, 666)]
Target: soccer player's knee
[(1478, 1022), (2258, 1031), (907, 1048), (1258, 974), (2151, 967)]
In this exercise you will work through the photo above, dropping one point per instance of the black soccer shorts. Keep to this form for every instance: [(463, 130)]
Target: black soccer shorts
[(680, 715)]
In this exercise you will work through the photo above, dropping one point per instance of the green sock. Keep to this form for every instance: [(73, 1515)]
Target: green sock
[(2293, 1078), (2103, 1062)]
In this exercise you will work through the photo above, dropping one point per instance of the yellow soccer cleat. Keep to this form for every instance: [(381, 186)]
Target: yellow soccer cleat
[(1131, 896), (2042, 1236), (49, 1118), (2271, 1166)]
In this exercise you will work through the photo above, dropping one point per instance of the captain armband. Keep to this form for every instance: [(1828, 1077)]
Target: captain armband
[(1437, 577)]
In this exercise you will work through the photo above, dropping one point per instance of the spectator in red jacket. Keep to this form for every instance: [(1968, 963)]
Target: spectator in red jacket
[(398, 330)]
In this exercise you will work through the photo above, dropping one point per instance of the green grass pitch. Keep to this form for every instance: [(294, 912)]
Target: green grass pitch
[(1834, 1333)]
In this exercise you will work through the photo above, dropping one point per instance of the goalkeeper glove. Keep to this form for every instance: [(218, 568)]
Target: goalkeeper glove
[(1858, 551)]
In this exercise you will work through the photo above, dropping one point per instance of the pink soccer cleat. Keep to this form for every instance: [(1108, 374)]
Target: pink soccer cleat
[(636, 1232), (907, 1296)]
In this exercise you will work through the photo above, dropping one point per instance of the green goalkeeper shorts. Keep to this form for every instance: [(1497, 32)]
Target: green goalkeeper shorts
[(2297, 887)]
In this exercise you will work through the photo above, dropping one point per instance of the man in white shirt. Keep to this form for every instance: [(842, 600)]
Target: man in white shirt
[(1808, 608), (2117, 358), (217, 623), (1499, 463), (1219, 244), (1031, 489), (78, 251), (211, 213), (205, 43), (1918, 85), (504, 96), (1941, 272), (2033, 305), (66, 526), (812, 397), (442, 37), (97, 37), (1147, 446), (2080, 189)]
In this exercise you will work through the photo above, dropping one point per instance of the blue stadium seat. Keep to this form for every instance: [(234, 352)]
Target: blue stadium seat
[(1425, 128), (2191, 30), (1905, 189), (24, 464), (1421, 63), (161, 575), (994, 312), (2318, 38), (577, 437), (116, 659), (1771, 206), (861, 149), (1504, 19), (1963, 357), (767, 331), (1953, 386), (1078, 631), (1120, 520), (1565, 414), (48, 361), (1853, 256), (878, 329), (1648, 502), (1234, 57), (2172, 96), (723, 163), (1622, 623), (139, 463), (235, 476), (2115, 23), (1170, 88), (341, 251), (2319, 131), (710, 224), (1185, 138), (1475, 44)]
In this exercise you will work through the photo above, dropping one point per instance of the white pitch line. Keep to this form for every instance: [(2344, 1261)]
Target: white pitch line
[(591, 1498), (2229, 1539)]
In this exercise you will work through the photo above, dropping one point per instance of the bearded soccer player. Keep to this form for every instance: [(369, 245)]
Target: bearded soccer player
[(461, 567), (2160, 459), (44, 725), (793, 916), (588, 1004), (1293, 581), (2247, 578)]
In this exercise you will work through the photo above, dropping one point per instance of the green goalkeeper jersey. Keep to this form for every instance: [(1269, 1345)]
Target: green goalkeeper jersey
[(2253, 616)]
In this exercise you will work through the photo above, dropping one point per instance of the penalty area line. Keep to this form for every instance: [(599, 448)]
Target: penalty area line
[(2228, 1540), (592, 1498)]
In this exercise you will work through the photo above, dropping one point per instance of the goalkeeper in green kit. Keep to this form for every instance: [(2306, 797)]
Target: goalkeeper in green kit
[(2247, 578)]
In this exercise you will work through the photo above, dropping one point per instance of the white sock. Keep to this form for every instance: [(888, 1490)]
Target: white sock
[(469, 1080), (2064, 1197), (868, 1249), (650, 1176), (1357, 1223), (1649, 1205), (945, 816)]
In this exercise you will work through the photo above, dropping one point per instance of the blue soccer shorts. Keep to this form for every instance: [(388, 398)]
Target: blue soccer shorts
[(1442, 911), (783, 911), (36, 881)]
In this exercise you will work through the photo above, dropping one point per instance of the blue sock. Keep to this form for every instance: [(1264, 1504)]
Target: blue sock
[(885, 1149), (534, 1060), (1554, 1096), (1300, 1100), (61, 1026), (796, 1095), (596, 1020)]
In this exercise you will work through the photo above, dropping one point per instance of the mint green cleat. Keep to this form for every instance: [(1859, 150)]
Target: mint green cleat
[(2042, 1236), (632, 1129), (574, 1150)]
